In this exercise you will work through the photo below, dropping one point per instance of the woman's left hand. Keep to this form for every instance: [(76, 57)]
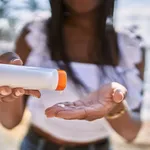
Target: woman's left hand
[(95, 106)]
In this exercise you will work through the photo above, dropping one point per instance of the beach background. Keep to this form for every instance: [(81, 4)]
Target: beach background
[(128, 13)]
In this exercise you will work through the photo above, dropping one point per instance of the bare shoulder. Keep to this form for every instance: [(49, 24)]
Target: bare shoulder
[(22, 47)]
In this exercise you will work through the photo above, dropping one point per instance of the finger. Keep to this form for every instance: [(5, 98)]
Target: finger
[(10, 58), (59, 105), (34, 93), (15, 94), (16, 62), (79, 103), (5, 91), (66, 112), (72, 114), (117, 86), (18, 92), (118, 96), (52, 111)]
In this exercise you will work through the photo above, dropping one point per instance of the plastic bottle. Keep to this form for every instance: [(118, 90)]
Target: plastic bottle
[(32, 77)]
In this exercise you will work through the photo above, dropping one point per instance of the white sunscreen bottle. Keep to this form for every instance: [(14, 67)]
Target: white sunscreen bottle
[(33, 78)]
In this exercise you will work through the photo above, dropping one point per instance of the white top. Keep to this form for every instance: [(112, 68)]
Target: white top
[(76, 130)]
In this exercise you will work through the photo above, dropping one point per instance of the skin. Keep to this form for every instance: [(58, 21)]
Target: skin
[(76, 6), (79, 34), (97, 105)]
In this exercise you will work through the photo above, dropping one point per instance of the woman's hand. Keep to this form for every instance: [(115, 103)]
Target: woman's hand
[(8, 94), (95, 106)]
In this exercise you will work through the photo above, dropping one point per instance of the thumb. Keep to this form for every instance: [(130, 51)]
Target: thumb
[(10, 58), (16, 61), (118, 95)]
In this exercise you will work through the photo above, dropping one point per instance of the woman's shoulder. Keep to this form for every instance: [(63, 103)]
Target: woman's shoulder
[(130, 47), (32, 28), (31, 38), (36, 33), (128, 37)]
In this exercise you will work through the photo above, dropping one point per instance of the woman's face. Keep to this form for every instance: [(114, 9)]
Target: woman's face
[(82, 6)]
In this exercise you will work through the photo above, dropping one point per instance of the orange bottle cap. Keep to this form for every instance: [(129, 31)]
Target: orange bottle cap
[(62, 80)]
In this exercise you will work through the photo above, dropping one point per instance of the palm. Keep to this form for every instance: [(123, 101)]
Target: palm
[(95, 106)]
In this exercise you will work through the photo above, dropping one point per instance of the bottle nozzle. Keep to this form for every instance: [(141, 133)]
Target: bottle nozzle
[(62, 80)]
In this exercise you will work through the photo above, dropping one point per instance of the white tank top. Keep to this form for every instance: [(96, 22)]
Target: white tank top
[(76, 130)]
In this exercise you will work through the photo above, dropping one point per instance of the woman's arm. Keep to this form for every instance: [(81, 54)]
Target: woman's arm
[(129, 124), (99, 104), (11, 113)]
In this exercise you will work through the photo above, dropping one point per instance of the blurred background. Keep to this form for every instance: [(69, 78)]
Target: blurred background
[(129, 14)]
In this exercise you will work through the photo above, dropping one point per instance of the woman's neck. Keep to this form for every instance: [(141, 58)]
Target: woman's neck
[(86, 21)]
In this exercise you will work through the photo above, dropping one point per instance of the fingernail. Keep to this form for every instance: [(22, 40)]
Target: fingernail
[(121, 93), (16, 61), (4, 93), (19, 92)]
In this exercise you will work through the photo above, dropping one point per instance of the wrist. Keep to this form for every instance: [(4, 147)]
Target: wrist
[(117, 111), (117, 108)]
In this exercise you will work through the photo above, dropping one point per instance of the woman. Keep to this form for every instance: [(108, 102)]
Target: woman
[(76, 39)]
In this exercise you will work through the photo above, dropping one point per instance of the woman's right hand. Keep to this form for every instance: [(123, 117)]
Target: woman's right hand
[(8, 94)]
